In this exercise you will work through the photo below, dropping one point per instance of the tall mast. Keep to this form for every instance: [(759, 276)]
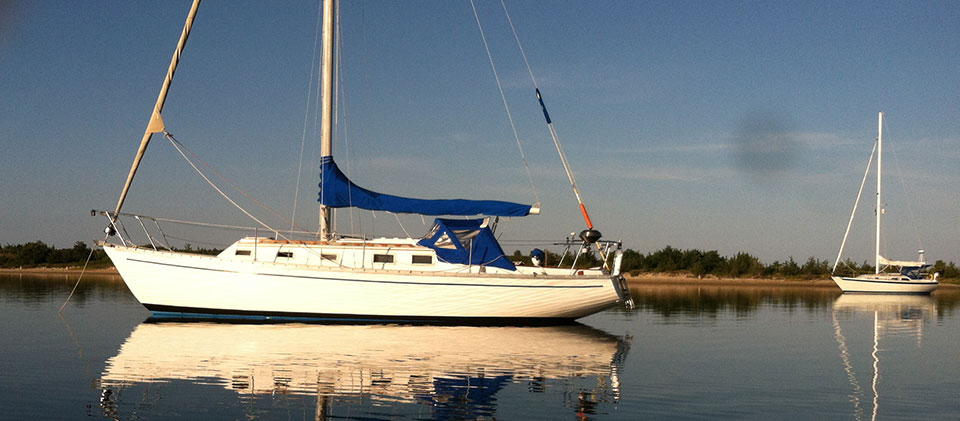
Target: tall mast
[(879, 185), (156, 122), (326, 71)]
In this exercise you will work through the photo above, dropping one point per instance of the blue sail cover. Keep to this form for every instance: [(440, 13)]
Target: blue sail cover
[(337, 191), (914, 272), (466, 242)]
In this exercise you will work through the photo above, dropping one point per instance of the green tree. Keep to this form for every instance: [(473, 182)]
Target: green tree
[(790, 268), (815, 268), (667, 259), (947, 270), (632, 261), (743, 264), (35, 253)]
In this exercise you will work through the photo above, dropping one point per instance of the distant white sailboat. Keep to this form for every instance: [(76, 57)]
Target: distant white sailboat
[(910, 277), (456, 273)]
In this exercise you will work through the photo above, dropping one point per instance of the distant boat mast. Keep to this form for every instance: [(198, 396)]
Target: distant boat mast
[(879, 186)]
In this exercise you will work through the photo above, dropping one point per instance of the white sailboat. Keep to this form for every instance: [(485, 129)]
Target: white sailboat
[(909, 278), (456, 273)]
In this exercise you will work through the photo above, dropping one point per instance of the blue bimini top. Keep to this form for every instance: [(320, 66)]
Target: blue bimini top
[(466, 241)]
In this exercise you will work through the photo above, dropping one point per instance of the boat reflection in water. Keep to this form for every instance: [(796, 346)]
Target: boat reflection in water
[(893, 316), (448, 368)]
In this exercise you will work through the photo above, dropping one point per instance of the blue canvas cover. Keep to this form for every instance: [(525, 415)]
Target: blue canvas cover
[(337, 191), (466, 242), (914, 272)]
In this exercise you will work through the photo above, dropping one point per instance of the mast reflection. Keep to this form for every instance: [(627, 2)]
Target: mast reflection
[(893, 315)]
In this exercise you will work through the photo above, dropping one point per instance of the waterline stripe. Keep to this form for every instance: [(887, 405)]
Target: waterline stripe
[(162, 313)]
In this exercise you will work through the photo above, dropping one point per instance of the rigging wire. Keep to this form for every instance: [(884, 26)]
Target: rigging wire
[(553, 131), (903, 187), (401, 225), (855, 204), (176, 144), (306, 113), (200, 242), (520, 46), (342, 108), (244, 193), (506, 107)]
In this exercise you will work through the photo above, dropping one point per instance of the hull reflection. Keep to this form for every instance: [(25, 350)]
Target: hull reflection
[(390, 363)]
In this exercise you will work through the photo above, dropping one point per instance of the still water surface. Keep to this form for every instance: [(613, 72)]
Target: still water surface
[(685, 352)]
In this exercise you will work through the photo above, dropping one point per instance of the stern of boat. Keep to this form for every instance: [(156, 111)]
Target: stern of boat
[(619, 282)]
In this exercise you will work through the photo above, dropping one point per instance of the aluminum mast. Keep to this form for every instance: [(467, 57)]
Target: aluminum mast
[(326, 92)]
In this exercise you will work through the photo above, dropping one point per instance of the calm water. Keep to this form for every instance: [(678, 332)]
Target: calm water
[(685, 352)]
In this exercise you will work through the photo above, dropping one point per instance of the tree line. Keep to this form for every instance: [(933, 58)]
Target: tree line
[(742, 264), (40, 254)]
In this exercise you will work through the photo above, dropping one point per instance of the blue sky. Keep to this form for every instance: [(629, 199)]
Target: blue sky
[(714, 125)]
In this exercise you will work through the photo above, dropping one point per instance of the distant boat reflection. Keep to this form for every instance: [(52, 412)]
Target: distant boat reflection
[(893, 315), (683, 301), (450, 369)]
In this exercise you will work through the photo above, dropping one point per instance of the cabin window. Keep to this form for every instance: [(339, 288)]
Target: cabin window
[(331, 257), (382, 258), (422, 260), (287, 254), (243, 252)]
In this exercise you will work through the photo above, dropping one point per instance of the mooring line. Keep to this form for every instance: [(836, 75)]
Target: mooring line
[(78, 281)]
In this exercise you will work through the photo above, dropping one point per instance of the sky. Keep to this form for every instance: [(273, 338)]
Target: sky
[(716, 125)]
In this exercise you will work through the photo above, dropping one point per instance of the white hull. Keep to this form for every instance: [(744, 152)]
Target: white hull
[(172, 282), (870, 284)]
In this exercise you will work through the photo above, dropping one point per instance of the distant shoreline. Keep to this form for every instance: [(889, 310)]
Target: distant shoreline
[(688, 279), (661, 279)]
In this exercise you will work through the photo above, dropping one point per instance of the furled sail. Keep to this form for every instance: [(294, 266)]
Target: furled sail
[(902, 263), (337, 191)]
